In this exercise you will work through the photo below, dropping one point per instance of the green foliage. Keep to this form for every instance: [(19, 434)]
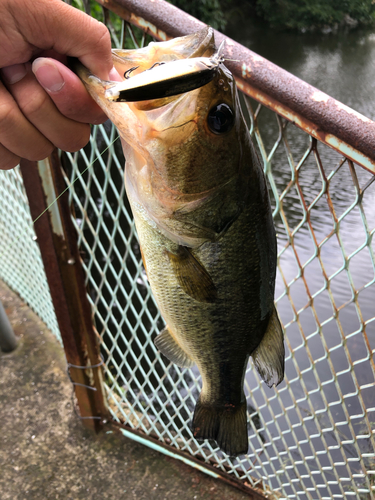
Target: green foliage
[(89, 6), (307, 14), (208, 11), (282, 14), (113, 22)]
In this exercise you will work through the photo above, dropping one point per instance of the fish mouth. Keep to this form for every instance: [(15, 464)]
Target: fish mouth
[(200, 44), (164, 69), (135, 61), (138, 62)]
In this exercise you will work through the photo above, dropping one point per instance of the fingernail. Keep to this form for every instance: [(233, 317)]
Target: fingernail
[(114, 75), (48, 75), (13, 74)]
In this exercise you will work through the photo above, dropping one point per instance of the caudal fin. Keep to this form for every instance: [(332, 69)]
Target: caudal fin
[(227, 425)]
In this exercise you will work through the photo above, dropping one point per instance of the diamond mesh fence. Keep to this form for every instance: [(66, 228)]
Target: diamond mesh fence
[(21, 265), (311, 437)]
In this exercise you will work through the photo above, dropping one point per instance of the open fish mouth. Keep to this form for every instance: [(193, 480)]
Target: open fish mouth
[(160, 70), (166, 79)]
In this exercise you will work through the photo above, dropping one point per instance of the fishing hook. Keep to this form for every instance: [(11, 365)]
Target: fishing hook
[(127, 72), (155, 64)]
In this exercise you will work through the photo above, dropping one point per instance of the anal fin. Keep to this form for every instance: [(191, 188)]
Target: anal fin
[(192, 276), (269, 356), (171, 350)]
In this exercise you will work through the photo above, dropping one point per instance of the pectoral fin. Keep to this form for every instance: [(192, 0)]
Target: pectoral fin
[(169, 347), (192, 276), (269, 356)]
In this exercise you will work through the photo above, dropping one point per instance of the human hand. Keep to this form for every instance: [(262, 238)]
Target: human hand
[(42, 103)]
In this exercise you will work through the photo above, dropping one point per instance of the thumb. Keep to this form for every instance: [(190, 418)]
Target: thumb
[(67, 91)]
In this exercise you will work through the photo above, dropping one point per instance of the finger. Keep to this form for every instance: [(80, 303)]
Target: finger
[(8, 160), (67, 91), (17, 134), (41, 112)]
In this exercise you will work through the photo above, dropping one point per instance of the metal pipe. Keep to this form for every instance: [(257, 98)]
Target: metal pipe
[(321, 116), (8, 340)]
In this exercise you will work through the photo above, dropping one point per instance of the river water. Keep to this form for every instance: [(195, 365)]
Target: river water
[(340, 64), (322, 352)]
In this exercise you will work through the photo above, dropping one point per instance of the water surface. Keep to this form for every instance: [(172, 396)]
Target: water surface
[(325, 287)]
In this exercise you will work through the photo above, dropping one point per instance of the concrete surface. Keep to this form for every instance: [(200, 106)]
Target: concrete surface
[(46, 453)]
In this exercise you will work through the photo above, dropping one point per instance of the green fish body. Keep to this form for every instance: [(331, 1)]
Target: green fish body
[(204, 222)]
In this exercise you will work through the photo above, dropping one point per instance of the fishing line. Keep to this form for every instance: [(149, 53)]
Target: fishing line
[(76, 179), (59, 196)]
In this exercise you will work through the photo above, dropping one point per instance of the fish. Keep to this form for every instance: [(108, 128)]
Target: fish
[(204, 222)]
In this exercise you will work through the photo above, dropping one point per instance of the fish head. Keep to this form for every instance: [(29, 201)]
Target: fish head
[(180, 150)]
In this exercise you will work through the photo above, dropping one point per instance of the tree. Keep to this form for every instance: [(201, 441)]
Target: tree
[(307, 14)]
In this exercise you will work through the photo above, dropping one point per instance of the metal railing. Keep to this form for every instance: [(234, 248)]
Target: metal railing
[(312, 437)]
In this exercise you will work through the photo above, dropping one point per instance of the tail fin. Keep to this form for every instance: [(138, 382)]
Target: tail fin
[(227, 425)]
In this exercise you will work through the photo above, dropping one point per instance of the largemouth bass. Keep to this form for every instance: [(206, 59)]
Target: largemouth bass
[(203, 217)]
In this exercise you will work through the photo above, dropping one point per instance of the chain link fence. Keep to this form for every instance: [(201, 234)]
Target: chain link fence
[(312, 436)]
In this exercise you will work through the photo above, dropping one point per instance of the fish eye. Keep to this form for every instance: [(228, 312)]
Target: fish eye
[(220, 119)]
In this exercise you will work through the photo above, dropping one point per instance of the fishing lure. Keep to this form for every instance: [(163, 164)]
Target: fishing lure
[(166, 79)]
